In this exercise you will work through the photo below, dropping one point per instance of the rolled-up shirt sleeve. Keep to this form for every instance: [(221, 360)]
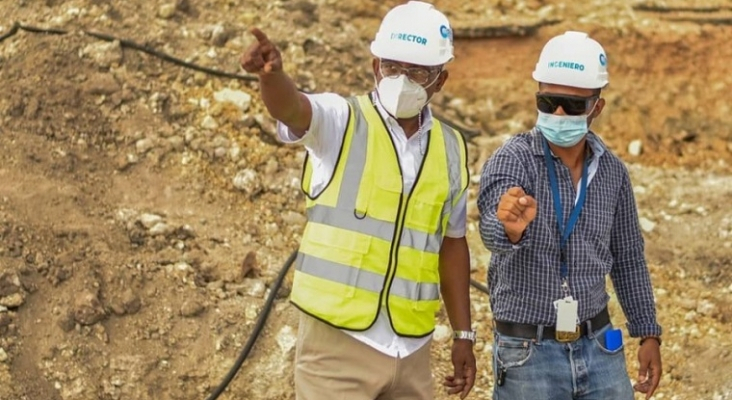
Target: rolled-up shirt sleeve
[(324, 136), (629, 273), (327, 125), (457, 224)]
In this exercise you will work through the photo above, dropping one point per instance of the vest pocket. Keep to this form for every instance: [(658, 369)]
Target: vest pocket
[(432, 306), (341, 241), (337, 258), (381, 199), (425, 216)]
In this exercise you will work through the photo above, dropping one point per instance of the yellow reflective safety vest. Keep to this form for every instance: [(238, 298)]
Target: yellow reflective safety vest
[(367, 243)]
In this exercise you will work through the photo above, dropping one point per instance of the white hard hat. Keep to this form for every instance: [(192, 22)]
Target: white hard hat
[(572, 59), (415, 33)]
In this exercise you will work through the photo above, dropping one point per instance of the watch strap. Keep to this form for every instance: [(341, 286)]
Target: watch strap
[(464, 335)]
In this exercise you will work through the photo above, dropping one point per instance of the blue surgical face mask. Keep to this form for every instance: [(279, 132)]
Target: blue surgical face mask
[(562, 130)]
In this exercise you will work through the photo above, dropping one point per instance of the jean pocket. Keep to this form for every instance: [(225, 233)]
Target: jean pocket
[(600, 341), (513, 352)]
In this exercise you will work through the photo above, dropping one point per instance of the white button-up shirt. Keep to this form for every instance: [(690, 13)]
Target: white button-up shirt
[(323, 142)]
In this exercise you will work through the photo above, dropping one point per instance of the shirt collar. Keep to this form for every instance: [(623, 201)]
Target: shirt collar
[(596, 145), (392, 122)]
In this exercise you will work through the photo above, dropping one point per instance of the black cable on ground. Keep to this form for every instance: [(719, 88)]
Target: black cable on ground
[(671, 9), (131, 45), (48, 31), (257, 328), (263, 318), (177, 61), (16, 27), (479, 286), (12, 31)]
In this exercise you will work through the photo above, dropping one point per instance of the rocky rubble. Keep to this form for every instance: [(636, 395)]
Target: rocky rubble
[(146, 208)]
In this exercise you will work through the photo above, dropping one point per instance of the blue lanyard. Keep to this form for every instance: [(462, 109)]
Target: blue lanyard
[(566, 230)]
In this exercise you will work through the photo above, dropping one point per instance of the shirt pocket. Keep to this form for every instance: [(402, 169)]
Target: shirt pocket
[(597, 226), (598, 215), (426, 216)]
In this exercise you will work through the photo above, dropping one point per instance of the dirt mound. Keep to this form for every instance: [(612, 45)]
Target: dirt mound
[(145, 208)]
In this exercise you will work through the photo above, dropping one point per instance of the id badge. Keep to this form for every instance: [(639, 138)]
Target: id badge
[(566, 314)]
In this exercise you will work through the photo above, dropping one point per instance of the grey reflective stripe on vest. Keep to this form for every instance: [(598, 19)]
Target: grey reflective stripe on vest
[(454, 163), (346, 219), (365, 280), (356, 161)]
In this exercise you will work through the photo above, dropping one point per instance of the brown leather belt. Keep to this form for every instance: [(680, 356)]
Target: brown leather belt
[(528, 331)]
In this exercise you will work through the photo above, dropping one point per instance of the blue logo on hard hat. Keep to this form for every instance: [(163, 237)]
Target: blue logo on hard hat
[(445, 32), (603, 60)]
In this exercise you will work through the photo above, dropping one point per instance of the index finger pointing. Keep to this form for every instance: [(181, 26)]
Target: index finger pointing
[(261, 37)]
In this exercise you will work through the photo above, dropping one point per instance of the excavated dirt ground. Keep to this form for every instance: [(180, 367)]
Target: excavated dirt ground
[(145, 211)]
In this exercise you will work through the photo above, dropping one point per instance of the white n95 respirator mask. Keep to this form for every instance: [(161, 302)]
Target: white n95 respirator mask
[(401, 97)]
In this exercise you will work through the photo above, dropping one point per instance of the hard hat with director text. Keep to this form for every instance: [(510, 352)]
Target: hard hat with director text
[(414, 33), (572, 59)]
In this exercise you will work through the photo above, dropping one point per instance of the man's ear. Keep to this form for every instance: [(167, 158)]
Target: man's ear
[(596, 111), (598, 108), (441, 80), (375, 66)]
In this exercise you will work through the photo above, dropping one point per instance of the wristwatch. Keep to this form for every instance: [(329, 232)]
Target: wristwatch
[(464, 335)]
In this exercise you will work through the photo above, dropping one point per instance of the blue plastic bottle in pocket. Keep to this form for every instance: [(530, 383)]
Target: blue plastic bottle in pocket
[(613, 339)]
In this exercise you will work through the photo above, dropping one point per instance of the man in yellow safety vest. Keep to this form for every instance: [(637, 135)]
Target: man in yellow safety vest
[(386, 203)]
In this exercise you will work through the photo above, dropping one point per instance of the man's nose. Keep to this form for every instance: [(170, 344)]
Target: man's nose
[(559, 111)]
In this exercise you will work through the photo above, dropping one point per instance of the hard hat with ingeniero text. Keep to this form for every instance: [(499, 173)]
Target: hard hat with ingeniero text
[(572, 59), (415, 33)]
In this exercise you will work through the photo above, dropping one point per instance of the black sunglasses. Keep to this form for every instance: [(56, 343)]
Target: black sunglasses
[(572, 105)]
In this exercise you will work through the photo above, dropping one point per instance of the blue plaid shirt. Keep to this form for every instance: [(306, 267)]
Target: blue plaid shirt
[(524, 278)]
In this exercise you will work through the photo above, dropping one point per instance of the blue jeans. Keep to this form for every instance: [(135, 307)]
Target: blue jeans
[(549, 370)]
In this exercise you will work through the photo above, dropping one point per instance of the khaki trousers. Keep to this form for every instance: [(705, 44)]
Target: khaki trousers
[(331, 365)]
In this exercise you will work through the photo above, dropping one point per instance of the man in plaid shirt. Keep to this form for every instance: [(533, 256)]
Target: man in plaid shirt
[(558, 214)]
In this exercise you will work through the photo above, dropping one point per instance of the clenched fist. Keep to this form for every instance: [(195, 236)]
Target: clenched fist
[(516, 210), (262, 56)]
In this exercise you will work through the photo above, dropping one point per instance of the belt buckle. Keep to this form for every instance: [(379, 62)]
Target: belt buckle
[(566, 337)]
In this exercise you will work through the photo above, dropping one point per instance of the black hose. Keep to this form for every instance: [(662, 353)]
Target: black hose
[(263, 318), (132, 45), (468, 133), (257, 328), (479, 286), (169, 58), (12, 31), (49, 31)]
